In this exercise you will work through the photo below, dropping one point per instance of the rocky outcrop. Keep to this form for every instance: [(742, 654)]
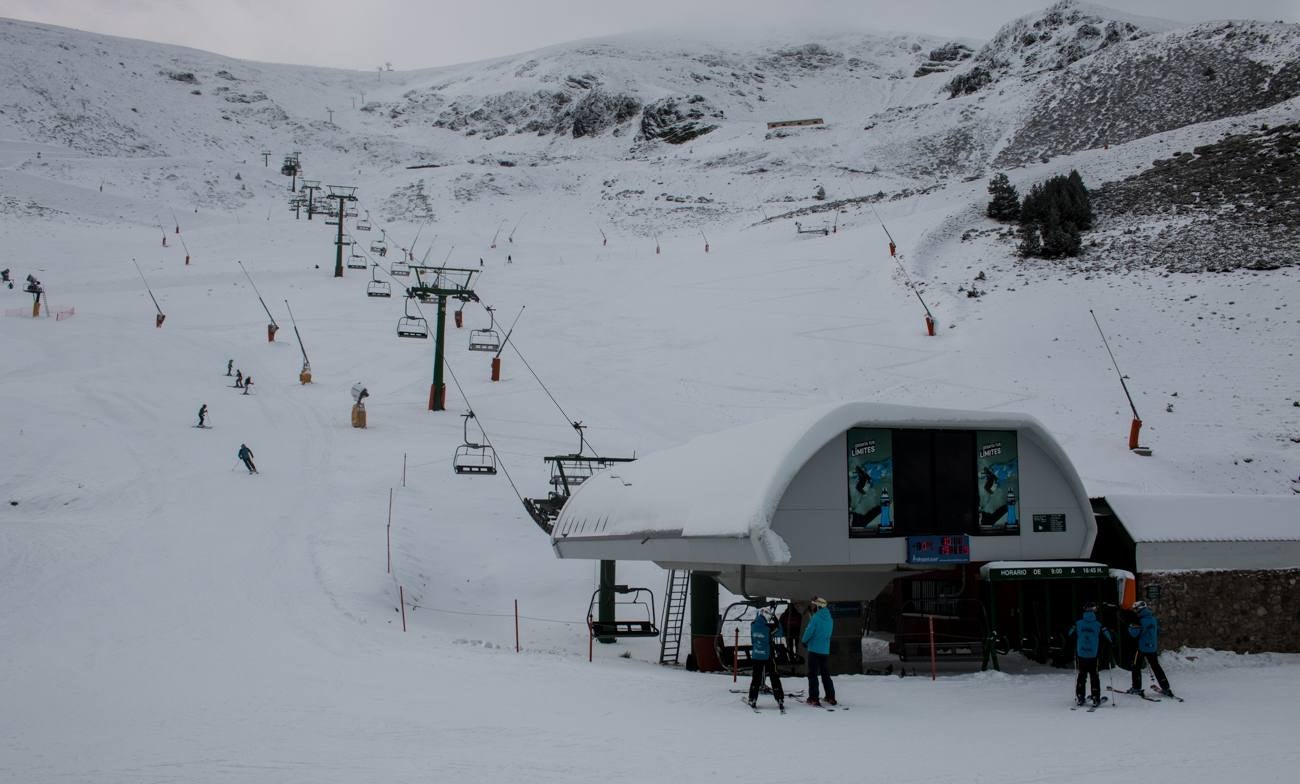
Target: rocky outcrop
[(599, 111), (1228, 205), (678, 120), (1129, 92)]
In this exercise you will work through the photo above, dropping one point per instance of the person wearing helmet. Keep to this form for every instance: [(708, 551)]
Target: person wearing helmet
[(763, 634), (1147, 632), (817, 640), (1087, 633)]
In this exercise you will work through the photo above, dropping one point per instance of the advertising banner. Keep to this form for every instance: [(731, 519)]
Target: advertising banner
[(871, 481), (998, 466)]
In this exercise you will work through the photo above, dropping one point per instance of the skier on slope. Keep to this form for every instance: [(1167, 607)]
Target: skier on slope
[(1147, 631), (239, 379), (763, 633), (203, 415), (248, 384), (1087, 633), (246, 455), (230, 364)]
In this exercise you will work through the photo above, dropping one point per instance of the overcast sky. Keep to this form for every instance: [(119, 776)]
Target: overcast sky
[(422, 33)]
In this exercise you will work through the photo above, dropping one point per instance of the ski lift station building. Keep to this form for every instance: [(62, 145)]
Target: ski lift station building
[(863, 502), (838, 501)]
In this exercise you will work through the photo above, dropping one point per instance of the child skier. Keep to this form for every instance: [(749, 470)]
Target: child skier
[(230, 363), (1087, 632), (239, 379), (203, 415), (246, 455), (248, 384), (763, 633)]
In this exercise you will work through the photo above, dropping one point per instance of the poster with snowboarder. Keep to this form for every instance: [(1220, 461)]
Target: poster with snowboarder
[(871, 481), (998, 466)]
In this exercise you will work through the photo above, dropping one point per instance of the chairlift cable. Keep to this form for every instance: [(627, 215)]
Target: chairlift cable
[(486, 438)]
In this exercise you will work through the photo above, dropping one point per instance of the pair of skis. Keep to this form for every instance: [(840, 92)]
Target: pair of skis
[(1091, 708), (1146, 696)]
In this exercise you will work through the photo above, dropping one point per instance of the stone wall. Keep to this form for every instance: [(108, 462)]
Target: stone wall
[(1242, 611)]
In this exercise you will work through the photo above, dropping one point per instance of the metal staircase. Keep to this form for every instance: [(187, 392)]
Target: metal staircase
[(675, 601)]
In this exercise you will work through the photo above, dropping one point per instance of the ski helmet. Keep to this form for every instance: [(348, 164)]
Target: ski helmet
[(1139, 606)]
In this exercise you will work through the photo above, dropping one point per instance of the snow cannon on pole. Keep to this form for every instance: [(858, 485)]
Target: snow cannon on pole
[(273, 327), (359, 395), (160, 317), (496, 358), (1135, 427), (929, 317), (304, 376)]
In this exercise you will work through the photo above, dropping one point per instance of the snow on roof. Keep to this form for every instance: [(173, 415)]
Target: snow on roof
[(728, 484), (1208, 518)]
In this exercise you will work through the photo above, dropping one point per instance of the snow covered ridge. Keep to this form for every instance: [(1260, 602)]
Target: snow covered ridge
[(1050, 40)]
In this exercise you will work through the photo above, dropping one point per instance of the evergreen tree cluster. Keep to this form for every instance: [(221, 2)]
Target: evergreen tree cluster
[(1052, 215)]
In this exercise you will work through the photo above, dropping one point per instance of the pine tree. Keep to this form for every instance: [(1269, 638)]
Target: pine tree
[(1005, 202), (1030, 244)]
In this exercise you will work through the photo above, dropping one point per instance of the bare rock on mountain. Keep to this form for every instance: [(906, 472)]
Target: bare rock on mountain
[(599, 111), (676, 120), (1128, 92), (1228, 205)]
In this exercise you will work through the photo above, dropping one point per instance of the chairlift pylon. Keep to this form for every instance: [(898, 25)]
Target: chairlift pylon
[(472, 457), (486, 339), (409, 326)]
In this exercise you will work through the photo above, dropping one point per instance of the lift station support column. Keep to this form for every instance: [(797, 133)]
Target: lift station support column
[(704, 621), (605, 605)]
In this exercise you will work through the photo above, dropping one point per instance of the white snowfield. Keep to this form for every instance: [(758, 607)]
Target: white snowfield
[(166, 617)]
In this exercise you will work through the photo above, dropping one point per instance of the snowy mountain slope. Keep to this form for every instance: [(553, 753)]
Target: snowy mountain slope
[(169, 617)]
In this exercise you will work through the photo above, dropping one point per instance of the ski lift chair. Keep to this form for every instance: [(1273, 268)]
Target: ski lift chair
[(485, 339), (400, 269), (472, 458), (409, 326), (357, 261), (363, 225), (633, 616), (379, 288), (377, 247)]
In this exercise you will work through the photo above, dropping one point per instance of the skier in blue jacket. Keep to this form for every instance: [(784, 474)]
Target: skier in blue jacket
[(1087, 633), (1147, 632), (763, 634), (817, 640)]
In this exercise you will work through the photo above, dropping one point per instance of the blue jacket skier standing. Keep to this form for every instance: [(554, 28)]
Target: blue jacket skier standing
[(817, 640), (1087, 633), (1147, 632), (763, 634)]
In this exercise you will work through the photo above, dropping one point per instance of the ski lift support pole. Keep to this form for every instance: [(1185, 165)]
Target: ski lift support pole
[(1136, 426), (273, 327), (158, 320)]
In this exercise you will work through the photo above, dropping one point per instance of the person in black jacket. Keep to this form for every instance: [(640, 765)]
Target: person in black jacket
[(246, 455)]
